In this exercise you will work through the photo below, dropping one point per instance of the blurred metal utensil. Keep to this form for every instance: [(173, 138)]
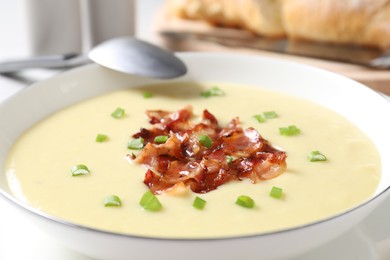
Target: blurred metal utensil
[(55, 61)]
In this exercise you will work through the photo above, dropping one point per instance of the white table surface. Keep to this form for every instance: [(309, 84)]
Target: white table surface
[(20, 239)]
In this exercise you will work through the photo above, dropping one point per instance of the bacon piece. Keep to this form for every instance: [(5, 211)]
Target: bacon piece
[(170, 121), (215, 172), (242, 143), (262, 166), (183, 161)]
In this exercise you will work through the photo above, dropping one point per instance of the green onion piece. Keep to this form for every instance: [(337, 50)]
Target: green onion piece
[(150, 202), (161, 139), (276, 192), (245, 201), (136, 144), (147, 94), (316, 156), (205, 140), (118, 113), (199, 203), (270, 114), (229, 159), (214, 91), (290, 130), (100, 138), (112, 201), (79, 169), (259, 118)]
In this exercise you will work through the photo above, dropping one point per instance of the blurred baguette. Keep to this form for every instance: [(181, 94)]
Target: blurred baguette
[(358, 22), (260, 17), (355, 22)]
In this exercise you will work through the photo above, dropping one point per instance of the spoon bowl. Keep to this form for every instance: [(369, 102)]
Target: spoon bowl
[(133, 56)]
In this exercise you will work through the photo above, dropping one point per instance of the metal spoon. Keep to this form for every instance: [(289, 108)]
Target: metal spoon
[(126, 54)]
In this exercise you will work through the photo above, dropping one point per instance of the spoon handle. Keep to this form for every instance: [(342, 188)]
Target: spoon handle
[(47, 61)]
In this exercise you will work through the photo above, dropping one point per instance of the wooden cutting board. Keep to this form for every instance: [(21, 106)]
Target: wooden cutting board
[(374, 78)]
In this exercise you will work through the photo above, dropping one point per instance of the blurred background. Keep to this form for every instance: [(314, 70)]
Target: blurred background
[(34, 27)]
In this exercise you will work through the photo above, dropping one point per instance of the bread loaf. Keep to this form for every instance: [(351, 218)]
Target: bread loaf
[(260, 17), (354, 22), (359, 22)]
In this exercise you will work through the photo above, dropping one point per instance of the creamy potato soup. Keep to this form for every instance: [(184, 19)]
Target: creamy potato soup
[(39, 164)]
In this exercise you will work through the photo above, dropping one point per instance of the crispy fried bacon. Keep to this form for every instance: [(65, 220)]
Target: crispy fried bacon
[(182, 159)]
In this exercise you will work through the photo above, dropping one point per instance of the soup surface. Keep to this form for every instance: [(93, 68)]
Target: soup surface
[(38, 167)]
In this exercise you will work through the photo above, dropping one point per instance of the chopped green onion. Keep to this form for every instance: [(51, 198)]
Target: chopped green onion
[(161, 139), (199, 203), (290, 130), (270, 114), (112, 201), (100, 138), (150, 202), (276, 192), (245, 201), (259, 118), (205, 140), (79, 169), (118, 113), (229, 159), (214, 91), (147, 94), (136, 144), (316, 156)]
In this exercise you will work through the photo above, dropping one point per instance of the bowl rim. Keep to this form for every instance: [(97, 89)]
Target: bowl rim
[(53, 219)]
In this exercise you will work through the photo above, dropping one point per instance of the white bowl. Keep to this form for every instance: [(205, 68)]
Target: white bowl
[(364, 107)]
